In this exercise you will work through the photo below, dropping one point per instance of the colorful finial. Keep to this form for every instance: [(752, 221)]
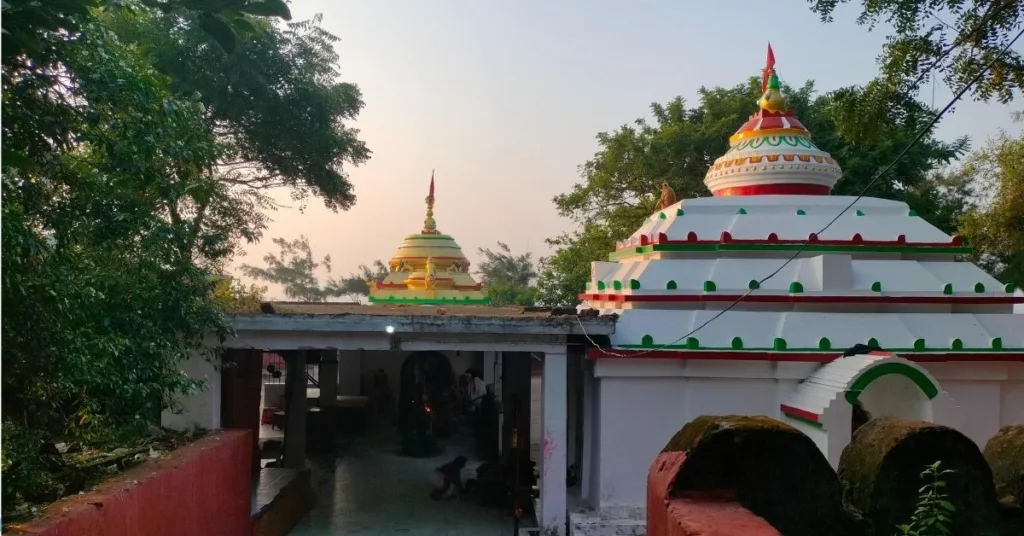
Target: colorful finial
[(772, 99), (769, 68), (429, 225)]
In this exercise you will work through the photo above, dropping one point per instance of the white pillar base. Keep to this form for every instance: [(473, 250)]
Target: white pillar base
[(200, 409), (554, 419)]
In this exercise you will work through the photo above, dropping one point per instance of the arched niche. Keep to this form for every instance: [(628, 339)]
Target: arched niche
[(882, 383)]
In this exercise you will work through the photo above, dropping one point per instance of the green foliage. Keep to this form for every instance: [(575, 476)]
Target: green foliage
[(276, 103), (357, 285), (27, 24), (508, 278), (620, 184), (113, 222), (108, 231), (507, 294), (934, 512), (564, 274), (923, 31), (994, 225), (295, 269), (233, 296), (502, 266)]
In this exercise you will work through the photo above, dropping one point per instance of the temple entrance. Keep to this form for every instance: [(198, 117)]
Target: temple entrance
[(426, 407), (830, 404)]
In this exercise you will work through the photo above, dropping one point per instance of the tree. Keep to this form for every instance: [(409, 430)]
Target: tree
[(994, 225), (110, 231), (295, 269), (502, 266), (356, 285), (233, 296), (951, 39), (508, 278), (276, 103), (620, 184), (564, 274), (112, 226)]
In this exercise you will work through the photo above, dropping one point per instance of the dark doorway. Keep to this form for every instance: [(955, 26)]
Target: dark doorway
[(425, 379), (426, 386)]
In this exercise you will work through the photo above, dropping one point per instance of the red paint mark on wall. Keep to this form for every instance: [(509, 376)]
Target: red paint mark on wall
[(200, 489), (548, 448)]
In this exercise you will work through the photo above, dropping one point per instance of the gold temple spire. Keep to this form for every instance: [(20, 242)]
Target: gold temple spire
[(429, 225), (773, 100)]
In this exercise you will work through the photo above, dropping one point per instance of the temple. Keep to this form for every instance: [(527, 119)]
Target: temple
[(774, 298), (770, 309), (428, 268)]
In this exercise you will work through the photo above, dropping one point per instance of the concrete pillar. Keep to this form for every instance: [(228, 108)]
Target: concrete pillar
[(498, 382), (349, 372), (489, 373), (588, 431), (200, 409), (295, 410), (241, 386), (328, 378), (554, 418)]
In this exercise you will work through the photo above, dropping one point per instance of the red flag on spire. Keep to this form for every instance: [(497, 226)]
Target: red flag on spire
[(431, 194), (769, 64)]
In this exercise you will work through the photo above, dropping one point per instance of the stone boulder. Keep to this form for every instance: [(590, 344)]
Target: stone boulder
[(881, 470)]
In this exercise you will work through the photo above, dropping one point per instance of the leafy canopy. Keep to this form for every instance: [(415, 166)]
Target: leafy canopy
[(357, 285), (114, 222), (950, 39), (276, 104), (294, 268), (994, 224), (508, 278)]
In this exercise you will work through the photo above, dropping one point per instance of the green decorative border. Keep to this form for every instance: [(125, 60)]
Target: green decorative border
[(873, 373), (429, 237), (781, 347), (434, 301), (788, 139), (652, 248)]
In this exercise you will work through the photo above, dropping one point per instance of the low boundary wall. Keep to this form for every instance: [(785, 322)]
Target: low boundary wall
[(203, 488)]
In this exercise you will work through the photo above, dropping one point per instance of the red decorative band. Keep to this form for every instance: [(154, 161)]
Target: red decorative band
[(797, 412), (801, 298), (774, 189)]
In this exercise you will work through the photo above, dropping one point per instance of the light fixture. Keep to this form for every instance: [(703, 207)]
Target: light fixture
[(389, 329)]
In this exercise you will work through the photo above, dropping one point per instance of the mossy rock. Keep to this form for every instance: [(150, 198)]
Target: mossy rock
[(881, 470), (776, 471), (1005, 455)]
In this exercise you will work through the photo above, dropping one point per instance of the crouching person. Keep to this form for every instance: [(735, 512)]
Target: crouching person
[(447, 479)]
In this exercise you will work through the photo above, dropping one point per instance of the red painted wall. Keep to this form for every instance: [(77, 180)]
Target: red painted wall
[(200, 489), (241, 390), (672, 513)]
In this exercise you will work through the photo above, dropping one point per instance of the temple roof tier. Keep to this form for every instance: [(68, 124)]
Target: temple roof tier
[(765, 270), (813, 331)]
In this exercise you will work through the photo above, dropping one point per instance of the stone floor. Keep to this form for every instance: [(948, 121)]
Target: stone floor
[(373, 491)]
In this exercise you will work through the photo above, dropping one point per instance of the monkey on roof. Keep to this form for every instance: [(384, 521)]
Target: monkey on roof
[(668, 197)]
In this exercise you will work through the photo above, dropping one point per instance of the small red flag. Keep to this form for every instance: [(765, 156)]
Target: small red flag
[(431, 194), (769, 64)]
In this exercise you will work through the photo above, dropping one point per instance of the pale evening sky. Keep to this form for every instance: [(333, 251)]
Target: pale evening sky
[(504, 100)]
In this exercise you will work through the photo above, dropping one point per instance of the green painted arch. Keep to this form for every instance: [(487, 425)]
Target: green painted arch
[(866, 377)]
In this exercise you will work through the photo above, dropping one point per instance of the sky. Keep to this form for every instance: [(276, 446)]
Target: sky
[(504, 100)]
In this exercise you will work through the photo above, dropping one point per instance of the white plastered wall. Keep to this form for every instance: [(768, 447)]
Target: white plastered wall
[(639, 404)]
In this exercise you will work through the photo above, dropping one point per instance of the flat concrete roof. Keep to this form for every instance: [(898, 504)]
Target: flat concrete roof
[(455, 319)]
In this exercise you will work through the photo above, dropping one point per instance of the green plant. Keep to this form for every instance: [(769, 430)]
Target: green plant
[(934, 512)]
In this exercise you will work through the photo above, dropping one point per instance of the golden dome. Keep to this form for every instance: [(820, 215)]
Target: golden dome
[(428, 268)]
